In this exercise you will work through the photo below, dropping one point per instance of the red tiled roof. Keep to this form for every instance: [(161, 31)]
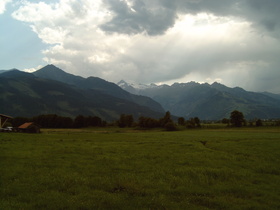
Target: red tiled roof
[(25, 125)]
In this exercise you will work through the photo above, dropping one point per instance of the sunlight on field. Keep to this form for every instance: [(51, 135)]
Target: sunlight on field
[(113, 168)]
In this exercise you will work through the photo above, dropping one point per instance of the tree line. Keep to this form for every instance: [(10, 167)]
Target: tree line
[(126, 120), (147, 122), (55, 121)]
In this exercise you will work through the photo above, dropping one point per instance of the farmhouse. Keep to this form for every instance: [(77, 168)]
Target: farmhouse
[(29, 127)]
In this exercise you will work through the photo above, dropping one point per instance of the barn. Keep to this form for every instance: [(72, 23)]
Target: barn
[(29, 127)]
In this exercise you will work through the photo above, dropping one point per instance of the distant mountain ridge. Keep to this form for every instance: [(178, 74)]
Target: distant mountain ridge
[(209, 102), (272, 95), (3, 71), (25, 94), (51, 90), (15, 73), (98, 84), (134, 88)]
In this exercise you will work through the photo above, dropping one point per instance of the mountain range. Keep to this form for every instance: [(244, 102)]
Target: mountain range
[(51, 90), (209, 102)]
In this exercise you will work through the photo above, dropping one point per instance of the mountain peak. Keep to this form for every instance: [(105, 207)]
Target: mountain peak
[(54, 73), (50, 67), (123, 84), (189, 84), (217, 84)]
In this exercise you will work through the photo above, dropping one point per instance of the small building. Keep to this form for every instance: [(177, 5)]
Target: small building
[(4, 119), (29, 127)]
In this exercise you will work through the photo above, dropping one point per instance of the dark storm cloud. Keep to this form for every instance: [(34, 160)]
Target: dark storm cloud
[(153, 17), (209, 6), (156, 16), (265, 13)]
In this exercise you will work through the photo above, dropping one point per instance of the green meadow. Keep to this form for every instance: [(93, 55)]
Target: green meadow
[(112, 168)]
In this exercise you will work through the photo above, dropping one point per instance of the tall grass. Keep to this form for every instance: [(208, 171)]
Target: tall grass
[(120, 169)]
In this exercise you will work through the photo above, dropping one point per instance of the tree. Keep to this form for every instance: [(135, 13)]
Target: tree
[(259, 123), (53, 121), (125, 121), (166, 119), (147, 122), (193, 123), (181, 121), (225, 121), (17, 121), (170, 126), (197, 122), (93, 121), (79, 121), (237, 118)]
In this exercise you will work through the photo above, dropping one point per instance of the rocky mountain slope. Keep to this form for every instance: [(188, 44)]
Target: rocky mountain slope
[(25, 94), (210, 102)]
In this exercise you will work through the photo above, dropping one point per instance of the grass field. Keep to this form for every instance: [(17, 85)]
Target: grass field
[(128, 169)]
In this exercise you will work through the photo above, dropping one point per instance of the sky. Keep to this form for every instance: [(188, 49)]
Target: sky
[(233, 42)]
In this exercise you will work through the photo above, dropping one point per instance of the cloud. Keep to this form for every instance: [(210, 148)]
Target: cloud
[(156, 17), (151, 17), (30, 70), (234, 42), (265, 13), (3, 4)]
